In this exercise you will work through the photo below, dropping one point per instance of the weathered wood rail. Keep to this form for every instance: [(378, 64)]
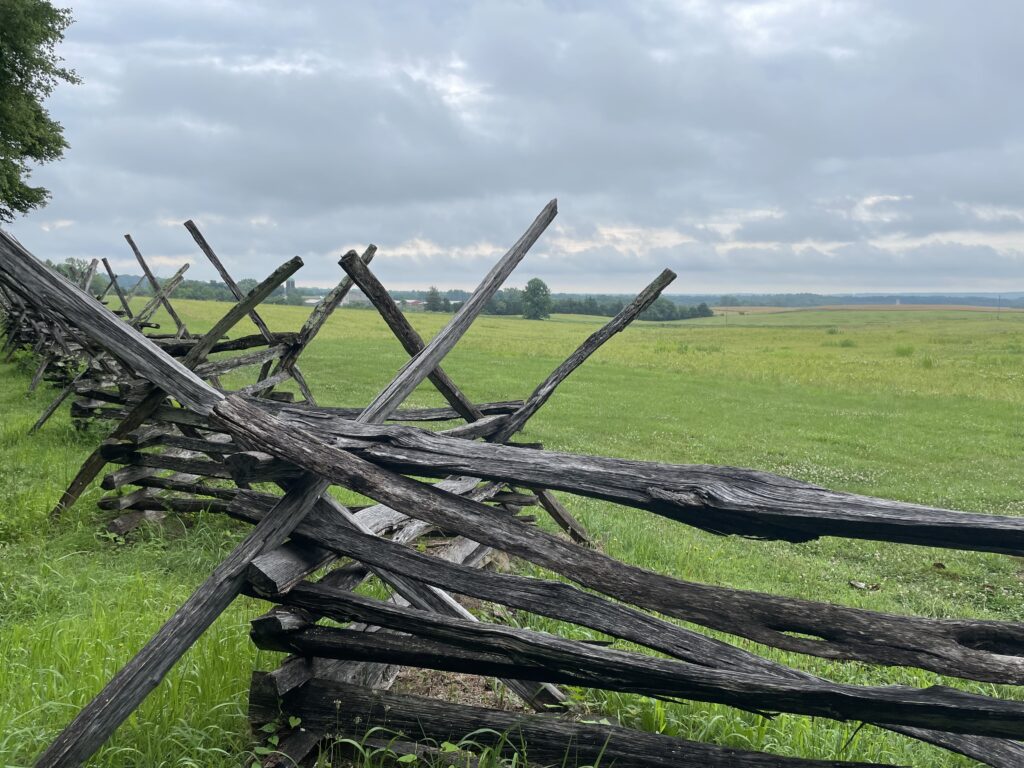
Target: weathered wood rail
[(182, 443)]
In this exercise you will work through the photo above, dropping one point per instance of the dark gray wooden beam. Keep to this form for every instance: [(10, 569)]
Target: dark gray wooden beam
[(258, 321), (453, 644), (346, 709), (629, 313), (182, 330), (421, 365), (413, 344), (973, 649), (316, 320), (117, 289), (717, 499)]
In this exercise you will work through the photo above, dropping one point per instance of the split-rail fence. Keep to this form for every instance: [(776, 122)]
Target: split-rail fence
[(182, 442)]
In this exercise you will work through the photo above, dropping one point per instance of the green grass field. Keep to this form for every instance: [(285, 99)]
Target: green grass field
[(921, 406)]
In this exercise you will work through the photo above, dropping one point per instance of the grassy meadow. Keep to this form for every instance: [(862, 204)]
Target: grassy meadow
[(924, 406)]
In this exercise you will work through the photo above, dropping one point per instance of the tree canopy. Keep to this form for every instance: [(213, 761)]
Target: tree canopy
[(434, 303), (665, 309), (507, 301), (75, 270), (536, 300), (29, 71)]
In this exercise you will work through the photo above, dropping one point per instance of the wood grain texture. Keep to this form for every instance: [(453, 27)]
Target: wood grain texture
[(167, 375), (982, 650), (565, 602), (405, 333), (453, 644), (717, 499), (346, 709), (413, 344)]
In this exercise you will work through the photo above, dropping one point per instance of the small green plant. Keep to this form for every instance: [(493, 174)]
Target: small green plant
[(111, 536), (832, 331), (847, 343), (903, 350)]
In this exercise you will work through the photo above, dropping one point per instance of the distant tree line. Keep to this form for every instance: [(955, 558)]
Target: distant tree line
[(435, 302), (822, 299), (571, 302), (534, 302), (512, 301), (454, 295), (215, 290)]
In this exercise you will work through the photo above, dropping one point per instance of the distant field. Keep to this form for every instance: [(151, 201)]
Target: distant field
[(923, 405), (866, 308)]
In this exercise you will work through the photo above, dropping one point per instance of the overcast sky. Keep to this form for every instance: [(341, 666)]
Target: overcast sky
[(749, 146)]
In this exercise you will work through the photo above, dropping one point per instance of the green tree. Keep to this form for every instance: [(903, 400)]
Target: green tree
[(29, 71), (433, 302), (246, 284), (536, 300), (73, 269)]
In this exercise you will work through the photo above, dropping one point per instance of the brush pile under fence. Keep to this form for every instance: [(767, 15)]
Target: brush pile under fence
[(184, 442)]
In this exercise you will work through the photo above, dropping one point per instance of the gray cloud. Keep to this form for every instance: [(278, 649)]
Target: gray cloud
[(748, 145)]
